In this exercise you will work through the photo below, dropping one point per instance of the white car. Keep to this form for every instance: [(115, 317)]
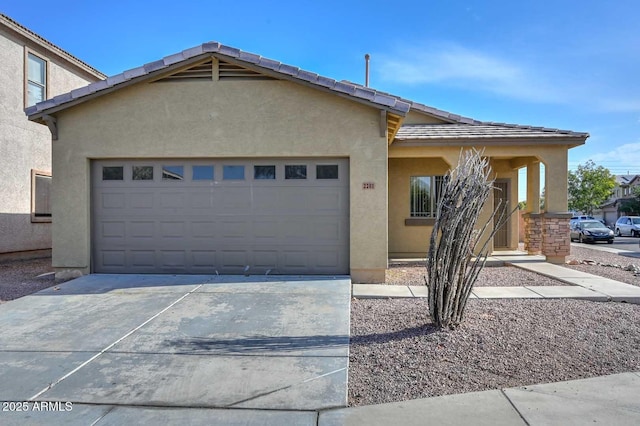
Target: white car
[(628, 225)]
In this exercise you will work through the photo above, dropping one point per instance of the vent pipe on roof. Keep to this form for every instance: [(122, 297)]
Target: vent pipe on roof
[(366, 70)]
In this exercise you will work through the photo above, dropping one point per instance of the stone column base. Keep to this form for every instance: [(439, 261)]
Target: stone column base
[(556, 242), (532, 233)]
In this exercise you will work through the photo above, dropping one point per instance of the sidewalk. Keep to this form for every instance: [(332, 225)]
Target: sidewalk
[(581, 285), (601, 400)]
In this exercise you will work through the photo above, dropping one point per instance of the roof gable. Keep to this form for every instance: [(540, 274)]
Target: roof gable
[(234, 59)]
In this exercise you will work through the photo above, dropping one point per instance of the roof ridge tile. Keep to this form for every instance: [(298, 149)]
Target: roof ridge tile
[(249, 57), (229, 51), (154, 66), (193, 51), (211, 47), (174, 59)]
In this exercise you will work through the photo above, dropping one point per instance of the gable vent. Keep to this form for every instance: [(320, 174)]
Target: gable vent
[(227, 71), (205, 71), (202, 71)]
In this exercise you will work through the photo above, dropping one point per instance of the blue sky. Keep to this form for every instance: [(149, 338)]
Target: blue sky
[(569, 64)]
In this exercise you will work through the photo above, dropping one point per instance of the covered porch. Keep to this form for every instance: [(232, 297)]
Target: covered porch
[(421, 153)]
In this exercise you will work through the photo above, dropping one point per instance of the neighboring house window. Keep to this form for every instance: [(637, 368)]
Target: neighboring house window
[(425, 192), (36, 79), (40, 196)]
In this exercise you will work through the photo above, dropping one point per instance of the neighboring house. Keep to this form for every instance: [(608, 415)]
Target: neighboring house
[(31, 70), (218, 160), (623, 191)]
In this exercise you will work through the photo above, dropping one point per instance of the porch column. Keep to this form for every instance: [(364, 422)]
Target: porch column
[(532, 217), (555, 221), (533, 187)]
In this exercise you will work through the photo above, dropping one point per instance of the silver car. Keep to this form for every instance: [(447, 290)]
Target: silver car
[(628, 225)]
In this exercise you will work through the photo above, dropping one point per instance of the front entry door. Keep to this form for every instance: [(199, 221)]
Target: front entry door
[(501, 206)]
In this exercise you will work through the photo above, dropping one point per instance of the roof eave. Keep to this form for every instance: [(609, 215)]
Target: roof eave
[(570, 141)]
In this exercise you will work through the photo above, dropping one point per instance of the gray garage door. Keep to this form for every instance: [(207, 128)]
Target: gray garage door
[(161, 216)]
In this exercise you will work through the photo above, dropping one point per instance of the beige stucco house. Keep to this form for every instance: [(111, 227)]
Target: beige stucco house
[(31, 70), (218, 160), (622, 192)]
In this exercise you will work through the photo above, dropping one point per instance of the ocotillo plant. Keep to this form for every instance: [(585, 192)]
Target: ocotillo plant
[(450, 271)]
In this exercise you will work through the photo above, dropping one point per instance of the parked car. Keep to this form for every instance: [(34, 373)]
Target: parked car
[(575, 219), (628, 225), (590, 231)]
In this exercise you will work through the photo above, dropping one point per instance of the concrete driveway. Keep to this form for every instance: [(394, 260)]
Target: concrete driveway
[(124, 348)]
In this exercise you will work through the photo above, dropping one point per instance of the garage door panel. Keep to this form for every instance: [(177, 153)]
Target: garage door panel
[(296, 259), (326, 230), (266, 200), (142, 258), (172, 200), (327, 259), (113, 200), (201, 229), (113, 258), (173, 259), (203, 259), (328, 200), (142, 229), (265, 229), (234, 199), (234, 229), (298, 226), (172, 229), (234, 259), (264, 260), (140, 200), (199, 200), (113, 229)]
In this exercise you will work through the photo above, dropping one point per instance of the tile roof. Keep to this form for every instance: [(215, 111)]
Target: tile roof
[(26, 32), (365, 94), (459, 128), (480, 130), (624, 179), (444, 115)]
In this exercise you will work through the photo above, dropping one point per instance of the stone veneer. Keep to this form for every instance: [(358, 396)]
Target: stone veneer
[(533, 233), (548, 233)]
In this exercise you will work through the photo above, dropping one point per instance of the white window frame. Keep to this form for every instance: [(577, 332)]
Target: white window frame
[(39, 217), (28, 52)]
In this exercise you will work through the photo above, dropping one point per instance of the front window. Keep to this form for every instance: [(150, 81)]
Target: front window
[(36, 79), (425, 192)]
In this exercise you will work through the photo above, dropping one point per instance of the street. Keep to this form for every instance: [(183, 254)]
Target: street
[(621, 243)]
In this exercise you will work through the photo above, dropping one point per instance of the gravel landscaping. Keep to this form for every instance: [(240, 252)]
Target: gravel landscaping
[(20, 278), (599, 257), (396, 354), (508, 276)]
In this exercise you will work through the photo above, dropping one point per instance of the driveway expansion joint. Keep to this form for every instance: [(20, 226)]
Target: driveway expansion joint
[(106, 349), (504, 394)]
